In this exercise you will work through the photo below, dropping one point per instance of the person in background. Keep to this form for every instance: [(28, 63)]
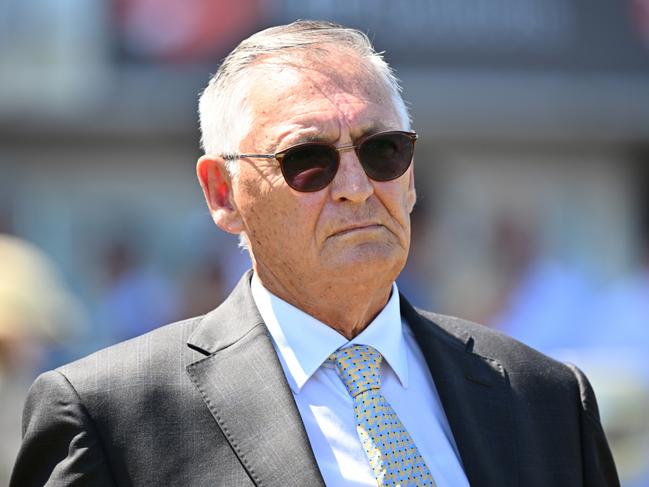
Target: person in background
[(36, 313)]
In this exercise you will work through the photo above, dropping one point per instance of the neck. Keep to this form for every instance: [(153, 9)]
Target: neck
[(347, 307)]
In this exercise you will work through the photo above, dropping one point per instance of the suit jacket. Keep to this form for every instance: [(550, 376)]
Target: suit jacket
[(204, 402)]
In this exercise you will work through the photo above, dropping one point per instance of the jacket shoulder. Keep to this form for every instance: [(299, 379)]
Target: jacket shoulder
[(515, 357), (158, 352)]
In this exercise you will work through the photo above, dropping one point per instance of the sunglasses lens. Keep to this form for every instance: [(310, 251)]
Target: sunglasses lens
[(310, 167), (386, 156)]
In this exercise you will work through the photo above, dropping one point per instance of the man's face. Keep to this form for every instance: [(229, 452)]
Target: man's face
[(355, 227)]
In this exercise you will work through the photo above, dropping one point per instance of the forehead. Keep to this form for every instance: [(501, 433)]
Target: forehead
[(328, 93)]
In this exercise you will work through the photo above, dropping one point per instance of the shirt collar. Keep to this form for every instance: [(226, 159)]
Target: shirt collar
[(303, 343)]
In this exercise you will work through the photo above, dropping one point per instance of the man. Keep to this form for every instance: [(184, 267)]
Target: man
[(314, 370)]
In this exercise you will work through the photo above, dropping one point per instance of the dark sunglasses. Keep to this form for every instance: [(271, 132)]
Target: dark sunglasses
[(311, 166)]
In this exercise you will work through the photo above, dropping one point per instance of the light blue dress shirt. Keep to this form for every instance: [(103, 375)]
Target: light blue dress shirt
[(304, 344)]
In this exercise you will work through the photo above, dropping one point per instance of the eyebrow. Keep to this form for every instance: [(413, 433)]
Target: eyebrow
[(312, 137), (371, 129), (375, 128)]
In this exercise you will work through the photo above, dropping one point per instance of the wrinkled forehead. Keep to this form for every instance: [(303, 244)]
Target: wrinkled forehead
[(319, 70)]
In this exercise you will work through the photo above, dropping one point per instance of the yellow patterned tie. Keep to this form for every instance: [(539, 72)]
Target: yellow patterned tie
[(393, 455)]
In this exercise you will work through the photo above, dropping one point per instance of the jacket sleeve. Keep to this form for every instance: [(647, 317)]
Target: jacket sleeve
[(598, 466), (60, 443)]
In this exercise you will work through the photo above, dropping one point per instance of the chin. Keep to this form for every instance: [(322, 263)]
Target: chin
[(370, 260)]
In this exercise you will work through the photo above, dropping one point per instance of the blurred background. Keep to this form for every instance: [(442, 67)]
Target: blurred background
[(532, 171)]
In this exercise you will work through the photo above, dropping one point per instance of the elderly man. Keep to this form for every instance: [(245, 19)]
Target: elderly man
[(314, 370)]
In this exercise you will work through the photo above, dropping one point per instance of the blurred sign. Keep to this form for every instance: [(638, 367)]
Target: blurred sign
[(639, 12), (563, 34), (590, 34), (416, 25), (181, 30)]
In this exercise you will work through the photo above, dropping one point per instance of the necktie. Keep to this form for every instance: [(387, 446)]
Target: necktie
[(393, 455)]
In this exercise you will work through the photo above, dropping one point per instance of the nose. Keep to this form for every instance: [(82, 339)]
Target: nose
[(351, 183)]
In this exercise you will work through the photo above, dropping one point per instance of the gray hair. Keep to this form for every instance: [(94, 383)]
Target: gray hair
[(225, 118)]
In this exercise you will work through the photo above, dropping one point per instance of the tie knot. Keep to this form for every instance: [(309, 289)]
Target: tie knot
[(359, 367)]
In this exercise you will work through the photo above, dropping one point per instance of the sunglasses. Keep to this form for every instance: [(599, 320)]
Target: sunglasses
[(311, 166)]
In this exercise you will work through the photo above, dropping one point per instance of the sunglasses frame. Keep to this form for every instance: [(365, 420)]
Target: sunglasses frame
[(279, 156)]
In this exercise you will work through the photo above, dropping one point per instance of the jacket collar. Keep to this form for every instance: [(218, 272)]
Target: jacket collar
[(233, 319)]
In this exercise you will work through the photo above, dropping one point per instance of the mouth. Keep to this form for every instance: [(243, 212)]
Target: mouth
[(351, 229)]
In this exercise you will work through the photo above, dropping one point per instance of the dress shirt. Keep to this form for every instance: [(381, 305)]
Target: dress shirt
[(303, 345)]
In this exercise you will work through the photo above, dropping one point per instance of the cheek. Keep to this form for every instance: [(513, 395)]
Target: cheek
[(396, 197), (280, 218), (302, 218)]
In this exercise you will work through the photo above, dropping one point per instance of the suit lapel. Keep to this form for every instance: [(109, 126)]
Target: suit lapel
[(243, 385), (476, 397)]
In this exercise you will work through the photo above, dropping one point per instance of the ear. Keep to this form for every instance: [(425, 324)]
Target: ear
[(412, 192), (217, 189)]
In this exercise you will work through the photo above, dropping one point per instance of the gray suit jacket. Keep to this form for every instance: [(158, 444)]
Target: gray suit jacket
[(204, 402)]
